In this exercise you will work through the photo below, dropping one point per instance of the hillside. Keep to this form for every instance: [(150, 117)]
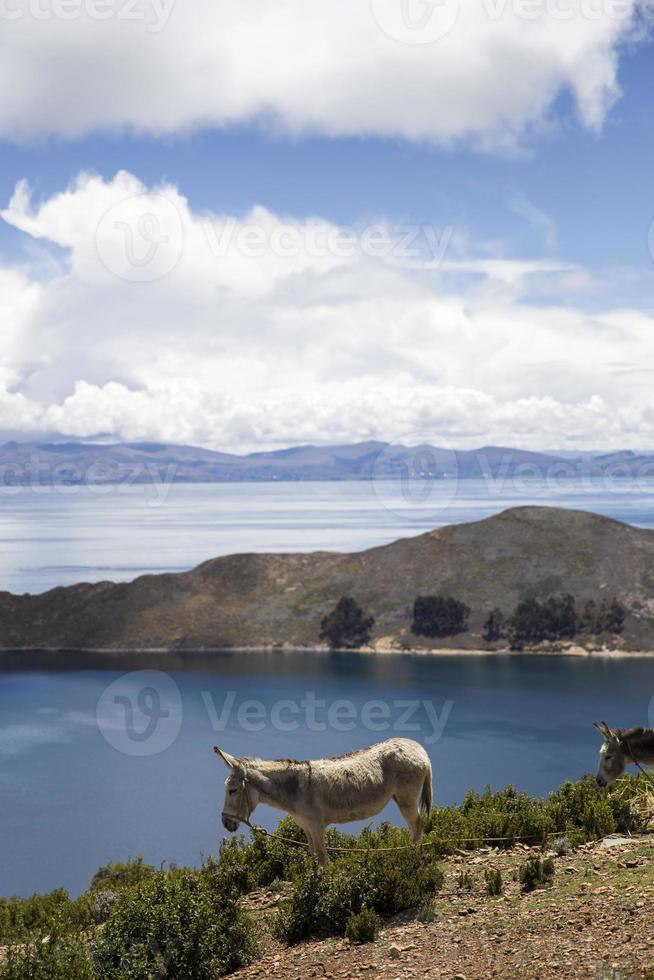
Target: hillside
[(42, 464), (264, 600)]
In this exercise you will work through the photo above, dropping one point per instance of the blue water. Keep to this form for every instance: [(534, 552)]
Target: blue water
[(83, 783), (62, 535)]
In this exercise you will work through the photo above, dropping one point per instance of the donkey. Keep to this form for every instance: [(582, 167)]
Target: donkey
[(623, 746), (324, 791)]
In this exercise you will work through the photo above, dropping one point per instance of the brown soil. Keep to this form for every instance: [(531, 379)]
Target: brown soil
[(596, 921)]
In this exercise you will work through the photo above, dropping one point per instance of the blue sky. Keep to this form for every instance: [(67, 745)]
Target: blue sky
[(465, 353)]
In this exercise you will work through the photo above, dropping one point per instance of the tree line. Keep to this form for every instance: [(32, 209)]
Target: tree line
[(348, 626)]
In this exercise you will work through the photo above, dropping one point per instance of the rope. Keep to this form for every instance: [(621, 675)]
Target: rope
[(405, 847)]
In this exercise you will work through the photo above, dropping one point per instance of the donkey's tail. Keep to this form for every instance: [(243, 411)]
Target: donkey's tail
[(426, 795)]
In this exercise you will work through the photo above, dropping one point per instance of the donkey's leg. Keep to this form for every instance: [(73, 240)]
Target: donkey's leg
[(411, 813), (318, 844)]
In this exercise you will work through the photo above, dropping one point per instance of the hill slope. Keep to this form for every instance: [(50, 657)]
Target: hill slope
[(261, 600)]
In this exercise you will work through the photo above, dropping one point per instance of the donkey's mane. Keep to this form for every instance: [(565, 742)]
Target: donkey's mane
[(637, 733), (284, 764)]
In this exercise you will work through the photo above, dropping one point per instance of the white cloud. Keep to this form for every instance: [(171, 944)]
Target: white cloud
[(266, 331), (337, 67)]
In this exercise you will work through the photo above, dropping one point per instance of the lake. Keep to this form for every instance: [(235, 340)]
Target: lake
[(53, 536), (97, 765)]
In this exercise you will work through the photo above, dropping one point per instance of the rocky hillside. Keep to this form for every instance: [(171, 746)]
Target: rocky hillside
[(593, 923), (262, 600)]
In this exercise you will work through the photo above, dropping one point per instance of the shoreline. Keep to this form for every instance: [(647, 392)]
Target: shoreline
[(574, 651)]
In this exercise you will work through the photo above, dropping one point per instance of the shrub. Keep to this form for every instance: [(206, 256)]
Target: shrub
[(536, 873), (177, 924), (384, 882), (56, 956), (118, 875), (437, 615), (560, 846), (465, 881), (581, 811), (494, 883), (363, 926), (20, 917), (346, 627), (427, 911)]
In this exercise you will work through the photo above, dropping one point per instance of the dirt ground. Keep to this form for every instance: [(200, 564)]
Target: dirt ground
[(596, 921)]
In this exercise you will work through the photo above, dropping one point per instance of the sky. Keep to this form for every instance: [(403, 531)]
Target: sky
[(252, 225)]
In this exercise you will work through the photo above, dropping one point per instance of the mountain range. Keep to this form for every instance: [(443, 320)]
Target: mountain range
[(85, 463)]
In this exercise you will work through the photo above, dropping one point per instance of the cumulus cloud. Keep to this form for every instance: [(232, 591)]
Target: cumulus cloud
[(481, 69), (259, 330)]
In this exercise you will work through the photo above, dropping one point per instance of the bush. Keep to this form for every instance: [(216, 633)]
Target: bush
[(346, 627), (384, 882), (437, 615), (56, 956), (118, 875), (363, 926), (536, 873), (20, 917), (177, 924), (465, 882), (494, 883)]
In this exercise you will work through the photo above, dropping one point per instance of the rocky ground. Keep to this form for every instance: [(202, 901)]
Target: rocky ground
[(595, 921)]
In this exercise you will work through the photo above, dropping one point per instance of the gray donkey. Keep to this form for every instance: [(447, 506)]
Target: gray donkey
[(623, 746), (324, 791)]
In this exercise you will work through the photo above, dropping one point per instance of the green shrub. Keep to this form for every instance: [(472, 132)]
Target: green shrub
[(346, 627), (427, 911), (437, 615), (494, 883), (581, 810), (177, 924), (465, 882), (20, 917), (56, 956), (118, 875), (536, 873), (363, 926), (384, 882), (560, 846)]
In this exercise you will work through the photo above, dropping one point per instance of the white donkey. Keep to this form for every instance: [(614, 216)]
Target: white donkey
[(623, 746), (324, 791)]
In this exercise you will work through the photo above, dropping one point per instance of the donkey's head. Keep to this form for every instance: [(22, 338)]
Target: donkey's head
[(613, 758), (240, 796)]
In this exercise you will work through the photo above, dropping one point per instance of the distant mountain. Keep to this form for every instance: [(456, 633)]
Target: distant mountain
[(268, 600), (78, 463)]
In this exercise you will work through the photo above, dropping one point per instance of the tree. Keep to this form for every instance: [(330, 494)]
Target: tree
[(346, 626), (437, 615), (494, 625)]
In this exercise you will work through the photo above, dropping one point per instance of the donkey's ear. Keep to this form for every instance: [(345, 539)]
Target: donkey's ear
[(604, 730), (230, 761)]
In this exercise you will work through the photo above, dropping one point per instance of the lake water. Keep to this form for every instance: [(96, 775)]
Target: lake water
[(59, 536), (98, 766)]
